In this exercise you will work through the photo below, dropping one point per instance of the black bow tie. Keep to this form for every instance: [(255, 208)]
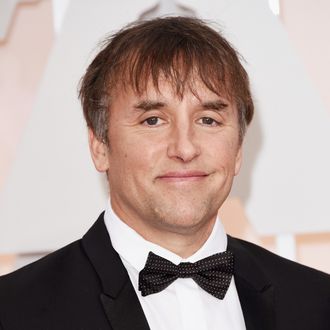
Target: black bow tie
[(213, 274)]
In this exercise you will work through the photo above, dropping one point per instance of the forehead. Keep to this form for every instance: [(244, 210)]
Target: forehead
[(166, 87), (183, 70)]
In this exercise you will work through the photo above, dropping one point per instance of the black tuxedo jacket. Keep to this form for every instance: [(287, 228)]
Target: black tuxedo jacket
[(85, 286)]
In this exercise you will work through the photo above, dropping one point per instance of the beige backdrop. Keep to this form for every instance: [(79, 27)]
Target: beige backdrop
[(23, 55)]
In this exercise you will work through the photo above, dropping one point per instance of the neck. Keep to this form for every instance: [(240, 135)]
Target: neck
[(184, 242)]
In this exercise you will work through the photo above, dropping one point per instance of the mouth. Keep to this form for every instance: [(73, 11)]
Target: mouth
[(183, 176)]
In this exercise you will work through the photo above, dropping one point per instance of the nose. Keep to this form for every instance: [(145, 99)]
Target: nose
[(182, 144)]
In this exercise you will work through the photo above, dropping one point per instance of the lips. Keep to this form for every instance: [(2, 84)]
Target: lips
[(177, 176)]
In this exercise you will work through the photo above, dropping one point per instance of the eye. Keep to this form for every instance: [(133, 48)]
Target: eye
[(208, 121), (152, 121)]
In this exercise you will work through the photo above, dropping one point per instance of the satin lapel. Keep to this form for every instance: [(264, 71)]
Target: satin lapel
[(124, 312), (119, 300), (255, 290), (257, 306)]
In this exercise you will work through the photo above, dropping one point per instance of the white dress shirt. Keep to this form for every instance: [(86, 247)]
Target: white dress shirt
[(183, 305)]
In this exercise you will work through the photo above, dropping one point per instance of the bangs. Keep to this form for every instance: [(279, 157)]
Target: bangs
[(178, 59)]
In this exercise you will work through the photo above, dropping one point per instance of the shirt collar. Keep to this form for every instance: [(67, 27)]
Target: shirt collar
[(134, 249)]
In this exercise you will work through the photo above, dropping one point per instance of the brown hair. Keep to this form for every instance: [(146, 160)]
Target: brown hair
[(176, 48)]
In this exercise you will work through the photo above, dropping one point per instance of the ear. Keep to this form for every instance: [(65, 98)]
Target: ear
[(99, 152), (238, 160)]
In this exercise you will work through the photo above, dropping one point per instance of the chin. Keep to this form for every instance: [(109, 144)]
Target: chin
[(184, 221)]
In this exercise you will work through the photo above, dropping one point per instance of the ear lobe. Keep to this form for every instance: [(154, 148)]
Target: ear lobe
[(238, 160), (99, 152)]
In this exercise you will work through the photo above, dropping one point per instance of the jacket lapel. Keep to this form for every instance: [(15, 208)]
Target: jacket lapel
[(255, 290), (118, 297), (124, 312)]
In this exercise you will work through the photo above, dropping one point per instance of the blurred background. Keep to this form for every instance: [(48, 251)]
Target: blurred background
[(50, 193)]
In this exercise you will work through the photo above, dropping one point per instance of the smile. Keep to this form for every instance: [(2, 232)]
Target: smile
[(183, 176)]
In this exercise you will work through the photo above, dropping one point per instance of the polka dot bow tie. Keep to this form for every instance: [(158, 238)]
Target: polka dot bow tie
[(213, 274)]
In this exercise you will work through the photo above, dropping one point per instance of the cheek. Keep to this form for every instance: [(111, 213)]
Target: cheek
[(227, 158), (128, 159)]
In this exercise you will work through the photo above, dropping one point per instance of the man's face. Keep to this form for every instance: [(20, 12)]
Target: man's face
[(171, 161)]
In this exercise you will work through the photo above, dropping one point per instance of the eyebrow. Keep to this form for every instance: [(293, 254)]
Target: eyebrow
[(215, 105), (148, 105)]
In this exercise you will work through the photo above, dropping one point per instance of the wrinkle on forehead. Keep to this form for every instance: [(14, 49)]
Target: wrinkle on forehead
[(179, 87)]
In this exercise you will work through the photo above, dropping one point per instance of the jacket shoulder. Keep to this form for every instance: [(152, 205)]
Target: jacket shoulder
[(61, 283), (281, 270), (297, 295), (47, 267)]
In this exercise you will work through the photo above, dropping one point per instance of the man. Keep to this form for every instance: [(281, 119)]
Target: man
[(167, 103)]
